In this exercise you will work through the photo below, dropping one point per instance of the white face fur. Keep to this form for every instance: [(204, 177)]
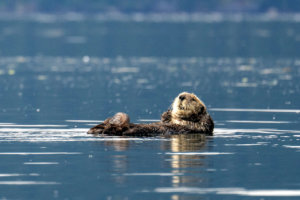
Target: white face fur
[(187, 104)]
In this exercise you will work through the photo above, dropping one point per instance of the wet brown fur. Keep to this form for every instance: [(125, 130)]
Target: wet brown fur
[(188, 115)]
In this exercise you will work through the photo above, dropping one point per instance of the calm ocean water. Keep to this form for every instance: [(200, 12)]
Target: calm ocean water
[(61, 75)]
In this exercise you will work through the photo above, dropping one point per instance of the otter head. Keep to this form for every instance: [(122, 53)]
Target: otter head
[(187, 106)]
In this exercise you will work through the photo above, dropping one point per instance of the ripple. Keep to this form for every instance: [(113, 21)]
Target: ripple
[(28, 183), (40, 163), (223, 132), (230, 191), (55, 133), (255, 110), (84, 121), (149, 120), (259, 122), (125, 70), (291, 146), (243, 145), (33, 125), (41, 134), (199, 153), (15, 175), (39, 153), (153, 174)]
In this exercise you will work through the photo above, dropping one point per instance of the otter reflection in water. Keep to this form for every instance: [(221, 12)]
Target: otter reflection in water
[(188, 115), (182, 160), (177, 156)]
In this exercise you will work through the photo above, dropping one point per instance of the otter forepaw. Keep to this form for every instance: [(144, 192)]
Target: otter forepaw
[(97, 129), (112, 126), (119, 119)]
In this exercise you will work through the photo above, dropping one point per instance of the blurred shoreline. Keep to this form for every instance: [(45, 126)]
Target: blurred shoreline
[(149, 6), (151, 17)]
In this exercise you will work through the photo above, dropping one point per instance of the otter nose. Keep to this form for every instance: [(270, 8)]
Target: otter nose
[(181, 97)]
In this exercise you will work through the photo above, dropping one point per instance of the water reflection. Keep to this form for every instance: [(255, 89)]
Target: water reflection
[(119, 166), (191, 142), (118, 145), (182, 163), (183, 168)]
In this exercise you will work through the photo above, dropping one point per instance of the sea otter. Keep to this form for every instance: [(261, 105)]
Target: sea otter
[(187, 115)]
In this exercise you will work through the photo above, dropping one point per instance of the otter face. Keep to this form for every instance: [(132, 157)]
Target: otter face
[(187, 105)]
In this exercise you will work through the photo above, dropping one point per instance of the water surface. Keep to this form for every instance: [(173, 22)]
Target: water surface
[(58, 79)]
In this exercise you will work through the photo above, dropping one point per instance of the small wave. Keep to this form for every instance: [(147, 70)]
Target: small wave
[(56, 133), (33, 125), (199, 153), (149, 120), (230, 191), (291, 146), (28, 183), (14, 175), (259, 122), (219, 132), (39, 153), (153, 174), (42, 134), (40, 163), (84, 121), (255, 110), (243, 145)]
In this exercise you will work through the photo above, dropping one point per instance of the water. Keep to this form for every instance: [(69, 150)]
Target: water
[(59, 78)]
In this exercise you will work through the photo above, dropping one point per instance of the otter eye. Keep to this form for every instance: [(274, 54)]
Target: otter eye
[(182, 97), (202, 110), (193, 99)]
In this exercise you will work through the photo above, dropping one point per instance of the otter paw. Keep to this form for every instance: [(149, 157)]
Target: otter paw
[(97, 129), (119, 119)]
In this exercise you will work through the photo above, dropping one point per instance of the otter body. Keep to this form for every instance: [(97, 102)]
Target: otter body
[(188, 115)]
